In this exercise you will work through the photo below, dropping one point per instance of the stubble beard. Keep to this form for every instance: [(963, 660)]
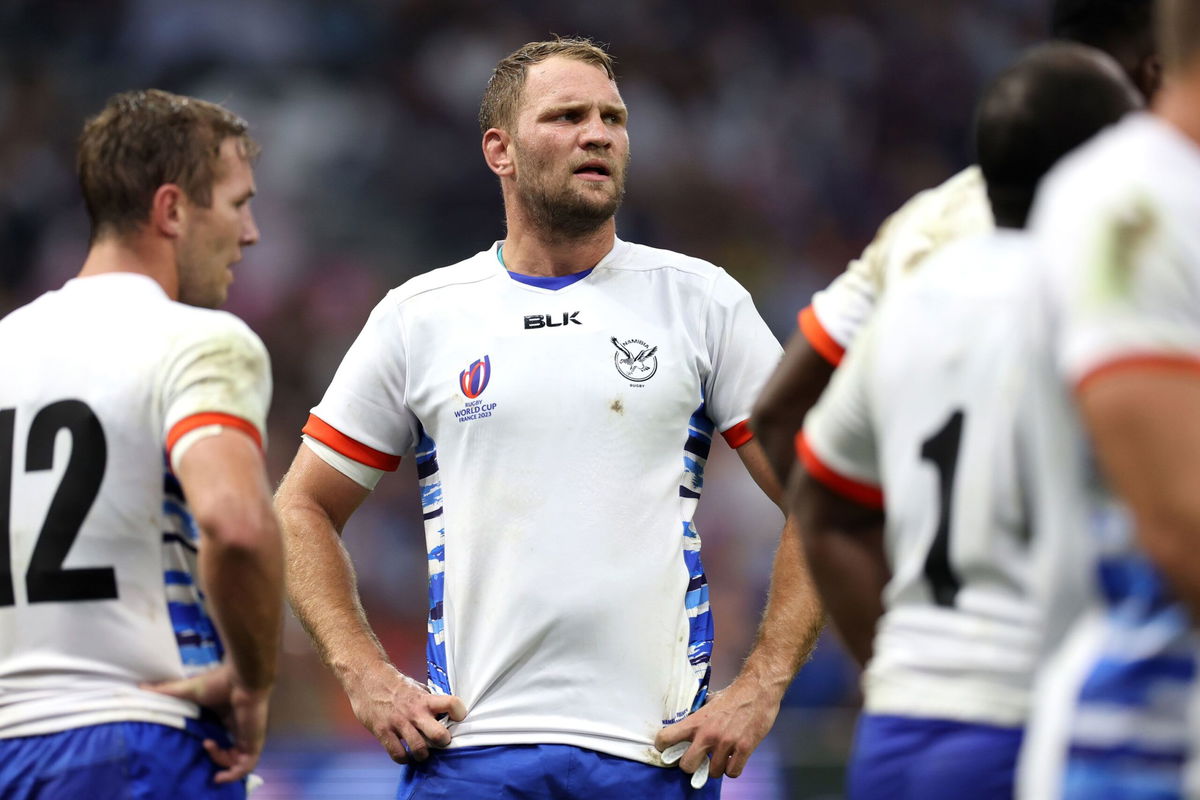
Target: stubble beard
[(567, 211)]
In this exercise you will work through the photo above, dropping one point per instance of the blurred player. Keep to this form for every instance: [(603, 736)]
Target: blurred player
[(560, 391), (925, 223), (1118, 226), (140, 561), (937, 417)]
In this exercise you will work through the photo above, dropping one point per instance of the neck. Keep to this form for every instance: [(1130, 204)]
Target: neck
[(132, 254), (530, 252), (1178, 102)]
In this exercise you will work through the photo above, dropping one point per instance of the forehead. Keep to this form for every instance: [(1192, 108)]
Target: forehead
[(233, 167), (565, 80)]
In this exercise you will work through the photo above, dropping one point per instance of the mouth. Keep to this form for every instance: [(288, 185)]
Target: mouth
[(594, 170)]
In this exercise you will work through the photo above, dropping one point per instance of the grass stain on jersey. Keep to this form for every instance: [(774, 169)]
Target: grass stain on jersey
[(1121, 244)]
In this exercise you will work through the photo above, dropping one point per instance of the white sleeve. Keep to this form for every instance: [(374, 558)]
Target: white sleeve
[(742, 352), (363, 415), (217, 375), (928, 221), (839, 311), (1123, 282), (837, 444)]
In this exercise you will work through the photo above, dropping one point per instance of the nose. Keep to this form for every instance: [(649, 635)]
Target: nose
[(249, 230), (594, 133)]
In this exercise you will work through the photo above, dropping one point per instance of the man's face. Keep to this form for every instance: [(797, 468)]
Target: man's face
[(214, 237), (570, 147)]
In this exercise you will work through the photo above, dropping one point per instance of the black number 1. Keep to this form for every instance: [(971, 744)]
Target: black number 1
[(46, 581), (942, 450)]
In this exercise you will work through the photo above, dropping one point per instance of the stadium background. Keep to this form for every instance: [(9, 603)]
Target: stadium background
[(768, 137)]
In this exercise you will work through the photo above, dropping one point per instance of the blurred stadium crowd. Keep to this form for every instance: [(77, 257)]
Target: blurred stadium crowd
[(769, 136)]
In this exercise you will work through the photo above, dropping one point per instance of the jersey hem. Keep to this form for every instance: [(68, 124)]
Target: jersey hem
[(859, 492), (202, 420), (643, 753), (71, 721), (825, 345), (339, 442), (1141, 361), (738, 435)]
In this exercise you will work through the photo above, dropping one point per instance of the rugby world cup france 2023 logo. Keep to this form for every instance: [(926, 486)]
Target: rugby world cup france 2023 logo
[(474, 379)]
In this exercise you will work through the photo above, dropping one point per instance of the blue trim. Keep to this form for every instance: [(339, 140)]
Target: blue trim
[(552, 282)]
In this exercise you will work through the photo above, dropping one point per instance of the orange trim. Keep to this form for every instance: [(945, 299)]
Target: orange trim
[(862, 493), (1171, 363), (739, 434), (329, 436), (189, 424), (819, 338)]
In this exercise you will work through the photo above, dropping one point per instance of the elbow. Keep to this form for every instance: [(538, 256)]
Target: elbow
[(248, 530)]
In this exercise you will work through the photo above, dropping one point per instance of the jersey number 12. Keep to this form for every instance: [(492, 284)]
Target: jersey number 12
[(46, 581)]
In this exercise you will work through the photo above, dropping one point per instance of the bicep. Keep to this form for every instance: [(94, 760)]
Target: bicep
[(312, 484), (224, 479), (1145, 425)]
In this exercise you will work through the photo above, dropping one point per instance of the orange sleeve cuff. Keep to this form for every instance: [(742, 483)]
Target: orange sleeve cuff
[(1169, 363), (334, 439), (819, 338), (862, 493), (189, 424), (739, 434)]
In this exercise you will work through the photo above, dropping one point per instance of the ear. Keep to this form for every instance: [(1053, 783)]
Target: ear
[(1149, 76), (497, 152), (168, 210)]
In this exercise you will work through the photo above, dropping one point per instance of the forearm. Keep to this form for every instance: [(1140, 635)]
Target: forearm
[(323, 591), (244, 585), (851, 579), (791, 621)]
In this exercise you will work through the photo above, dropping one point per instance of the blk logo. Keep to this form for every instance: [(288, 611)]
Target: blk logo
[(474, 379), (548, 321)]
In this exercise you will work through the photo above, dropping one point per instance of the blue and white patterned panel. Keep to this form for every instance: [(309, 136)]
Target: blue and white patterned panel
[(435, 538), (199, 643), (700, 621)]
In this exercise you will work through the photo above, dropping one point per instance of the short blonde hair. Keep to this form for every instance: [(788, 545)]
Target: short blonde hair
[(144, 139), (502, 97)]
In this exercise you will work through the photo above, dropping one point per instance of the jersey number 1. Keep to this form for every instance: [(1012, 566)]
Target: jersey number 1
[(46, 581), (942, 450)]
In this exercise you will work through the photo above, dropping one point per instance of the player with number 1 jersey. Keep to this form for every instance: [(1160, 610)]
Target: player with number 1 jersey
[(940, 416)]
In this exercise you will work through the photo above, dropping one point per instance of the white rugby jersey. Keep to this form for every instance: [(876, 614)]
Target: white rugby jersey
[(107, 380), (939, 415), (1118, 227), (560, 439), (957, 208)]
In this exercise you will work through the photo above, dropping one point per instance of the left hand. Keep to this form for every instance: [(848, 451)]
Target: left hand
[(728, 727)]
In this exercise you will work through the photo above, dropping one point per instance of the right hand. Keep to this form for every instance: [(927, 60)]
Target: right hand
[(243, 710), (402, 714)]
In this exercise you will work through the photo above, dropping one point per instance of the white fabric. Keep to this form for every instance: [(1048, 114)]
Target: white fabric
[(954, 342), (1116, 228), (364, 476), (957, 208), (140, 363), (562, 493)]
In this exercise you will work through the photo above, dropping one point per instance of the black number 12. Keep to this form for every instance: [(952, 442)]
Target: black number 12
[(46, 581)]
